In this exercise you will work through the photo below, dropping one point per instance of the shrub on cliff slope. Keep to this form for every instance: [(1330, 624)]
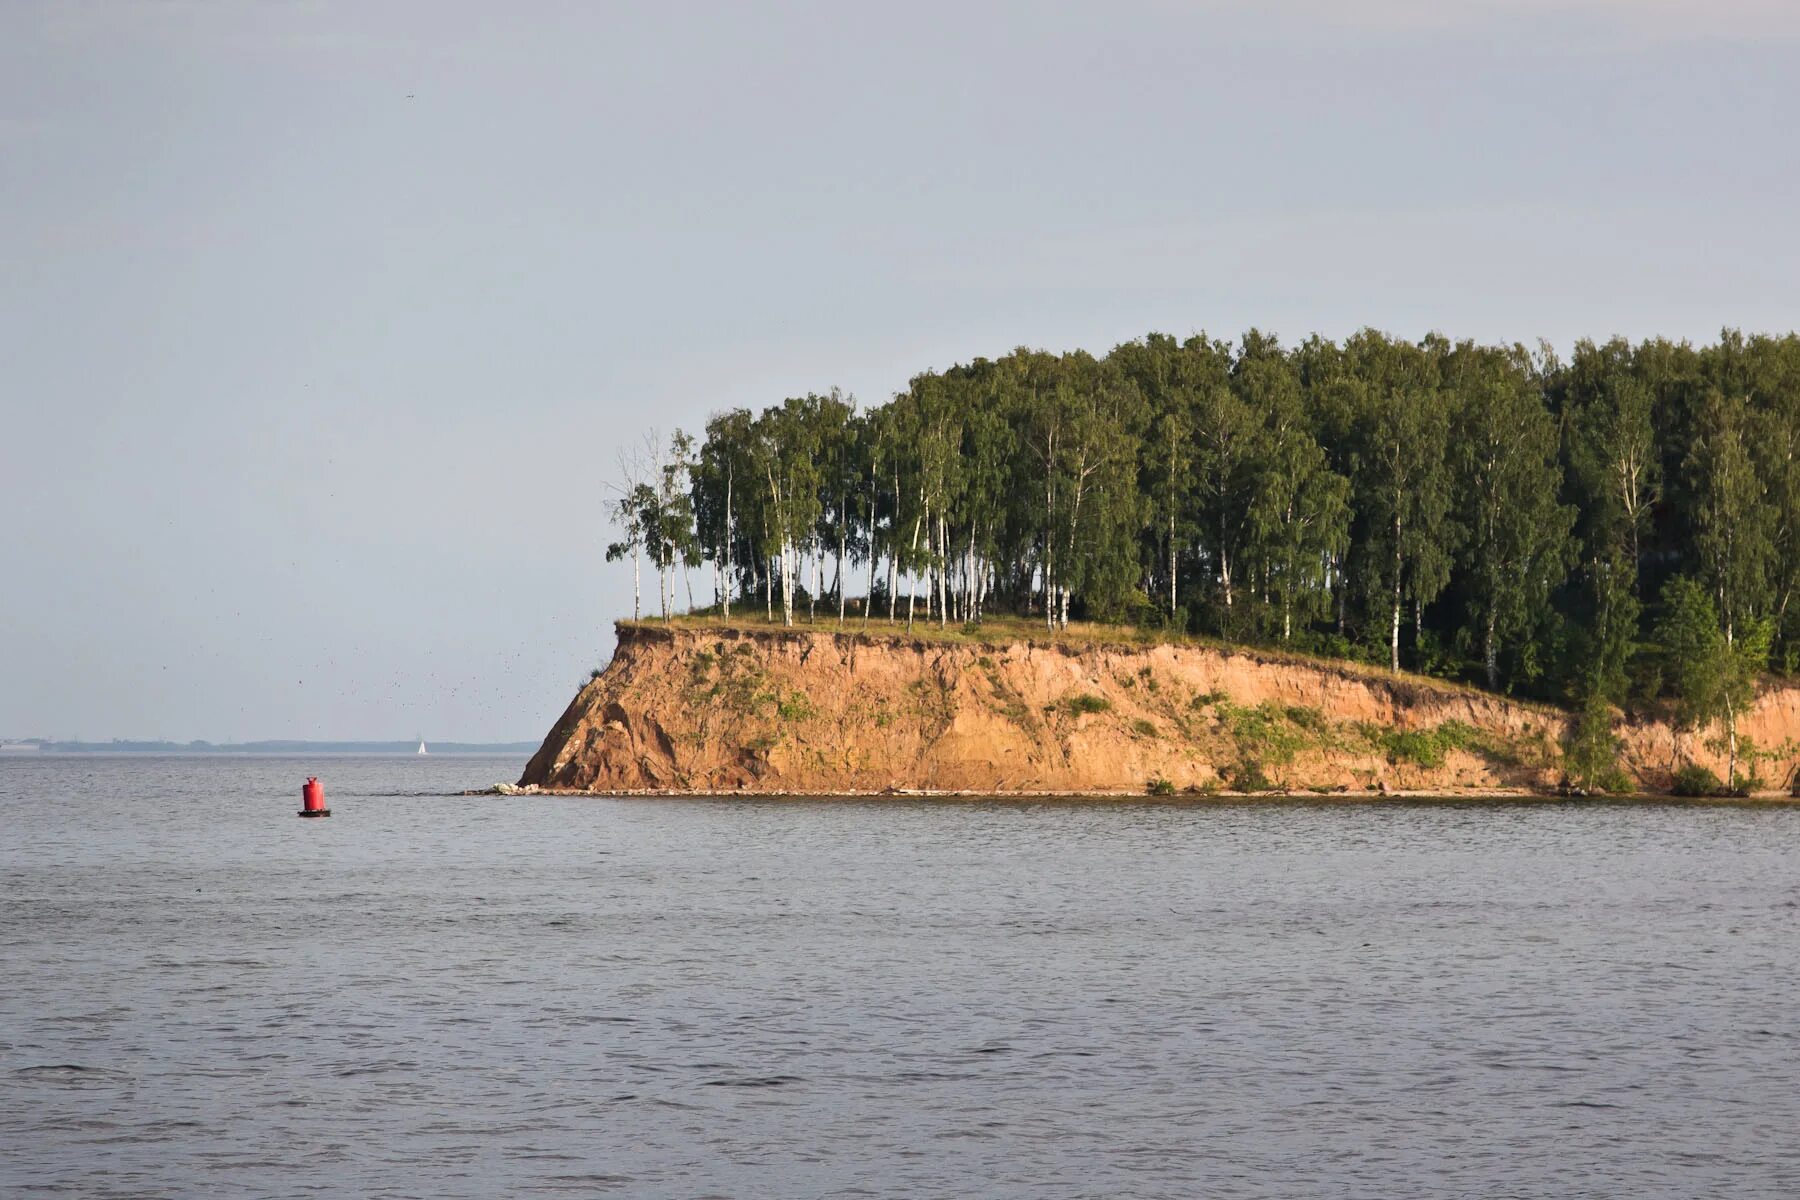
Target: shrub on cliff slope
[(1267, 732), (1248, 776), (1696, 780), (1591, 752)]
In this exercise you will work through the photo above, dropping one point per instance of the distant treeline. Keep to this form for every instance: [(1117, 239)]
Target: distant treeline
[(1487, 512)]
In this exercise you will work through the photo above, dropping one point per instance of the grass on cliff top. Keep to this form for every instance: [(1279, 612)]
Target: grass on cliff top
[(999, 631)]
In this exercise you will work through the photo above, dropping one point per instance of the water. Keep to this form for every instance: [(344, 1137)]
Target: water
[(428, 995)]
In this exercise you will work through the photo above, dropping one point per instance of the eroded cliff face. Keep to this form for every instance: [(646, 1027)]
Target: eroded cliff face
[(693, 709)]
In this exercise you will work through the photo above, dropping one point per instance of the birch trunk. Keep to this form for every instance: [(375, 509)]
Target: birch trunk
[(1171, 563), (869, 592), (1491, 652), (1394, 640), (912, 576), (1731, 745), (725, 593), (944, 589), (818, 587)]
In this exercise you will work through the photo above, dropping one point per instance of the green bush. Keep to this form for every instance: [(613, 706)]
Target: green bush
[(1143, 728), (1248, 776), (1695, 780), (1087, 702), (1427, 747), (1159, 787), (797, 707), (1310, 719), (1264, 732), (1591, 752), (1414, 746)]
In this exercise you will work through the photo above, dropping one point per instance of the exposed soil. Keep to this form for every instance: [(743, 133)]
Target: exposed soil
[(779, 712)]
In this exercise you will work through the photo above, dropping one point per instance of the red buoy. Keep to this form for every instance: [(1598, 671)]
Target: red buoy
[(313, 797)]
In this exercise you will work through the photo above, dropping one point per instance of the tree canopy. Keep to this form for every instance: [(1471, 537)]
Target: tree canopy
[(1483, 512)]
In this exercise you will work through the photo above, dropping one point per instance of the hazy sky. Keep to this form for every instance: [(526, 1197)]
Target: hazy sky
[(321, 325)]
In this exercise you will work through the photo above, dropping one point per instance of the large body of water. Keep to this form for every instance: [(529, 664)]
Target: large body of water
[(432, 996)]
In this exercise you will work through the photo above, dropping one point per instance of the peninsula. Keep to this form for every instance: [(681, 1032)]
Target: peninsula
[(1197, 564)]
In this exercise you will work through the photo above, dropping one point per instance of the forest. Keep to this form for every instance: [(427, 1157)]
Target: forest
[(1619, 528)]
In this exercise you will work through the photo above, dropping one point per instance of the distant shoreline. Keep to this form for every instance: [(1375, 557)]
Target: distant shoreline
[(34, 747), (1477, 795)]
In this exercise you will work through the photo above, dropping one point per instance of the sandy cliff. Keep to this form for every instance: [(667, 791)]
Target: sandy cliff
[(691, 708)]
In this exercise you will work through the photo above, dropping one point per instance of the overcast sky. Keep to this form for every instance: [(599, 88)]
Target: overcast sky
[(321, 325)]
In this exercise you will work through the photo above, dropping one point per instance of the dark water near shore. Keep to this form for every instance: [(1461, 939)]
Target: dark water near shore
[(435, 996)]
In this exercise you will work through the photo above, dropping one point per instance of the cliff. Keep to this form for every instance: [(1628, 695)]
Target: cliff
[(692, 708)]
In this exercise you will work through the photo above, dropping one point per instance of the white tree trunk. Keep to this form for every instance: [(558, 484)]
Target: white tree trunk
[(1394, 635), (869, 594), (944, 583)]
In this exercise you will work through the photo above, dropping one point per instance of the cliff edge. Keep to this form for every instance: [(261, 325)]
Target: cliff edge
[(692, 708)]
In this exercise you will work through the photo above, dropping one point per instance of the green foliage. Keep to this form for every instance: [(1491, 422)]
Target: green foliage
[(734, 681), (1413, 746), (796, 706), (1695, 780), (1086, 702), (1310, 719), (1518, 546), (1159, 786), (1248, 776), (1468, 510), (1733, 527), (1144, 728), (1713, 675), (1267, 732), (1428, 747), (1591, 750)]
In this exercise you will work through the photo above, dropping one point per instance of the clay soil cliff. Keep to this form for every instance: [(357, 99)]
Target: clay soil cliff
[(694, 709)]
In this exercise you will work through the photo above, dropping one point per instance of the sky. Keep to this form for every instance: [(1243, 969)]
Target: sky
[(322, 325)]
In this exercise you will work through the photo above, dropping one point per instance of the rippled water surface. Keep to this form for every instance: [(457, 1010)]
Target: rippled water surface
[(428, 995)]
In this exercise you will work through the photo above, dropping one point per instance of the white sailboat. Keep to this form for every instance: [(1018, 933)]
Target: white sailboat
[(421, 745)]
